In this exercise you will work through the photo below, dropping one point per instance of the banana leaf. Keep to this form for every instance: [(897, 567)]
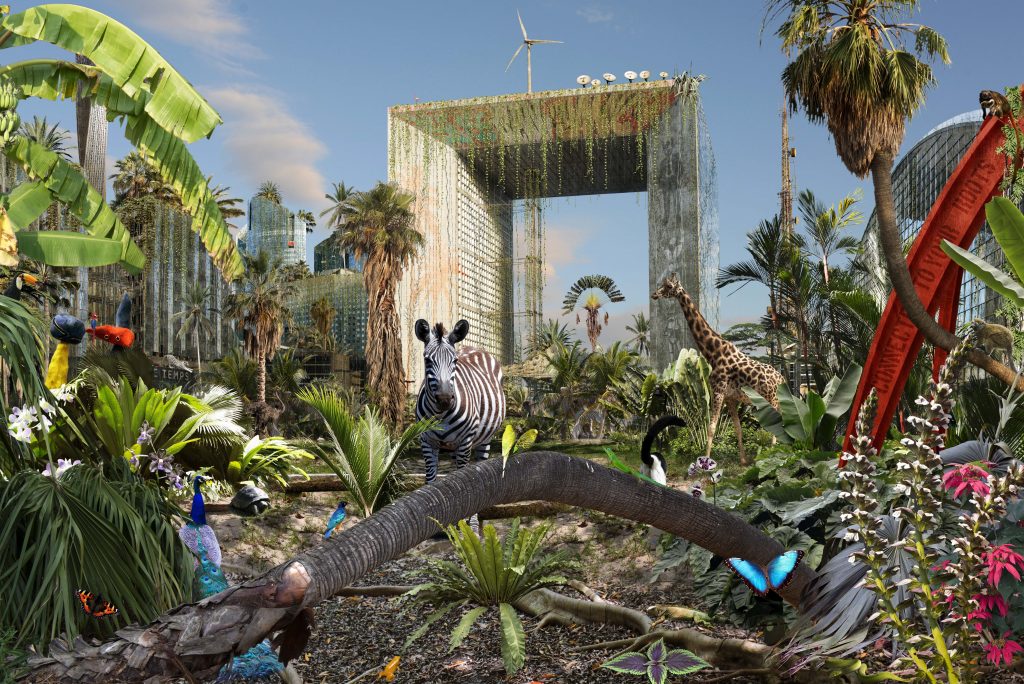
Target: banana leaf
[(64, 248), (55, 79), (986, 273), (134, 65), (67, 184), (26, 202), (1007, 224)]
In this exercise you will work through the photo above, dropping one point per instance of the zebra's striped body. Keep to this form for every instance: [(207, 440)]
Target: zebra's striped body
[(462, 389)]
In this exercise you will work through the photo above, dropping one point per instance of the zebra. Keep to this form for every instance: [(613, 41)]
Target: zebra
[(462, 389)]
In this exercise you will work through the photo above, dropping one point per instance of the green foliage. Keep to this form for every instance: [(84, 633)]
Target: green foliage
[(268, 459), (21, 338), (809, 423), (83, 530), (1007, 224), (493, 574), (363, 451), (12, 659), (161, 110)]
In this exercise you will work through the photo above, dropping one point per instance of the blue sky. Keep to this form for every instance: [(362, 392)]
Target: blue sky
[(304, 89)]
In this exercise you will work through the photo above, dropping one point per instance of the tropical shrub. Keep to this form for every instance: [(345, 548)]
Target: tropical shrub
[(493, 574), (936, 561), (364, 452), (271, 459), (809, 423), (78, 527), (656, 663)]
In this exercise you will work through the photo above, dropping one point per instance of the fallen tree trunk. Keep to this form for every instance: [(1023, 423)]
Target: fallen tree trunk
[(199, 638)]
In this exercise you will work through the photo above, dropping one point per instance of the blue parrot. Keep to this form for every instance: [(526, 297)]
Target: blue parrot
[(336, 517)]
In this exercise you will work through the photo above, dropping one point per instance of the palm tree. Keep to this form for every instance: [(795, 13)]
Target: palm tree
[(236, 371), (854, 71), (548, 335), (340, 209), (137, 177), (306, 217), (597, 288), (380, 228), (641, 330), (193, 316), (323, 313), (771, 251), (270, 191), (52, 138), (260, 311), (230, 207), (826, 224)]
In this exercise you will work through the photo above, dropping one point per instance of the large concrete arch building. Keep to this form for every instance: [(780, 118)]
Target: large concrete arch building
[(469, 161)]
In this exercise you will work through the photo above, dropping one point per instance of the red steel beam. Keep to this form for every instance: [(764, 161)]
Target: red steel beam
[(956, 216)]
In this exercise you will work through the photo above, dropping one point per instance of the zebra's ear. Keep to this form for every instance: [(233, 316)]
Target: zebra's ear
[(422, 331), (459, 332)]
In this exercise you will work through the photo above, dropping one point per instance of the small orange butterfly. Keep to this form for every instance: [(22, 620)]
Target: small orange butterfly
[(95, 605)]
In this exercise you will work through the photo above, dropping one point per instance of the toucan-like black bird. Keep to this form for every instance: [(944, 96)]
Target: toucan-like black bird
[(22, 283), (652, 463)]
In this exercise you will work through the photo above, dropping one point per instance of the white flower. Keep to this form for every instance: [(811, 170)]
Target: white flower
[(47, 407), (63, 393), (20, 432), (850, 536)]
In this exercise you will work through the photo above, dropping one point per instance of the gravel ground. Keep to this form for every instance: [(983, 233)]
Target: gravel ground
[(356, 635)]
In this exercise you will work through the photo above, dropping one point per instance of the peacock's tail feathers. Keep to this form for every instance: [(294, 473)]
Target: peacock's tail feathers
[(190, 535), (258, 662)]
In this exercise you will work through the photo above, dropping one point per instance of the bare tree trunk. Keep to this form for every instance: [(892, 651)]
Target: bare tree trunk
[(386, 377), (200, 638), (261, 378), (903, 283)]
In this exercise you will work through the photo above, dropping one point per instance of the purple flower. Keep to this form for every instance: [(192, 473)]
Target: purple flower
[(145, 433), (692, 470), (716, 476), (706, 463), (20, 432), (63, 465), (697, 491), (160, 462)]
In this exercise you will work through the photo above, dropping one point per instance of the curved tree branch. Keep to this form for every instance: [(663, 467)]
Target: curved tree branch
[(903, 283), (203, 636)]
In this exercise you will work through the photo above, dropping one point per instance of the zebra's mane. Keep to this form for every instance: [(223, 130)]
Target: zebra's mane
[(439, 331)]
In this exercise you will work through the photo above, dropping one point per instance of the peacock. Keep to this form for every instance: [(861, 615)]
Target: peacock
[(259, 663)]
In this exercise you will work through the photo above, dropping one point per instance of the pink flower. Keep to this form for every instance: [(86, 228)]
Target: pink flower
[(1001, 650), (1003, 558), (967, 476), (991, 602)]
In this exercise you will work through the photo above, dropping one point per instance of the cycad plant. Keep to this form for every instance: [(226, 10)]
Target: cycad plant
[(364, 452), (493, 574)]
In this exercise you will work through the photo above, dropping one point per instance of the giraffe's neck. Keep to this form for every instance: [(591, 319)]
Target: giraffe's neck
[(699, 328)]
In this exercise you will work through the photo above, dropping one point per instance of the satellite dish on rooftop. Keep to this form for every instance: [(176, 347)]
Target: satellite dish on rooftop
[(645, 74), (663, 75), (608, 78), (583, 80), (630, 75), (594, 83)]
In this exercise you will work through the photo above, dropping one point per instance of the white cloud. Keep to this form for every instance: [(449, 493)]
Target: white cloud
[(595, 15), (208, 26), (264, 141)]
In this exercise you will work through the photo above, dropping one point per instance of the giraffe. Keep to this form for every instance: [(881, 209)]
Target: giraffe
[(731, 369)]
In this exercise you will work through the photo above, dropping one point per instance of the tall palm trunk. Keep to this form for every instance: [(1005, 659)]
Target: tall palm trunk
[(203, 636), (593, 327), (199, 362), (386, 376), (261, 377)]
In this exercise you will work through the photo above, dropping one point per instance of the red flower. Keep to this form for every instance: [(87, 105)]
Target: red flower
[(1003, 558), (1001, 650), (967, 476), (991, 602)]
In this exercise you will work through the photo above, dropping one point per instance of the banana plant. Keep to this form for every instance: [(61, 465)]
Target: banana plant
[(1007, 224), (511, 444), (808, 423), (160, 109)]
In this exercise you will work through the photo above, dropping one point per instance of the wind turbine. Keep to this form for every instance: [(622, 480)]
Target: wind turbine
[(528, 42)]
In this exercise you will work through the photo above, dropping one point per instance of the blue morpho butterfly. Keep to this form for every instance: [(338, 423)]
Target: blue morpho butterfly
[(775, 577)]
